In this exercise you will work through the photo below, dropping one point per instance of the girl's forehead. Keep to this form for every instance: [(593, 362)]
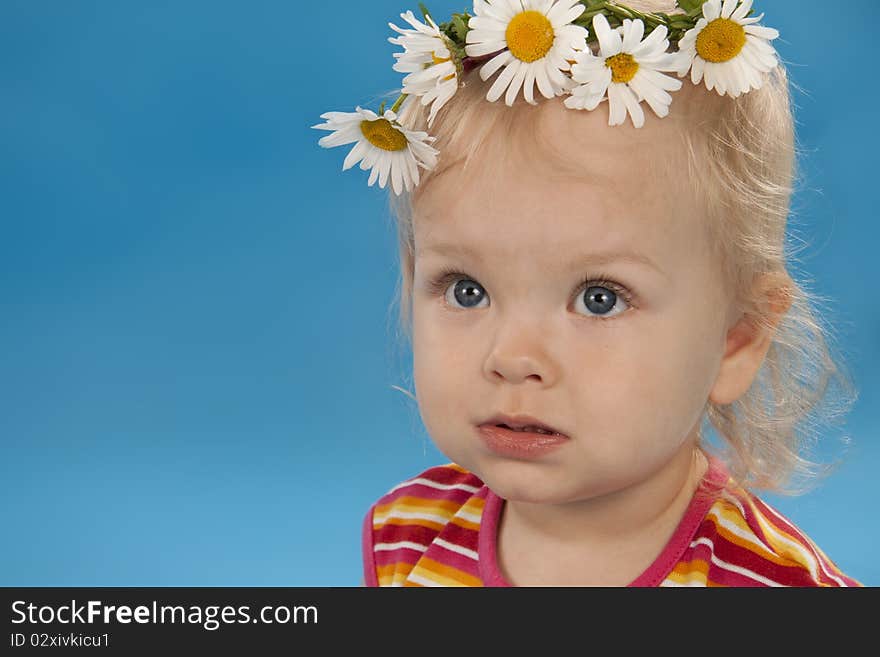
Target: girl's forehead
[(549, 143), (548, 218)]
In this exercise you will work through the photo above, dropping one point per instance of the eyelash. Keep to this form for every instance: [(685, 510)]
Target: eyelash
[(441, 281)]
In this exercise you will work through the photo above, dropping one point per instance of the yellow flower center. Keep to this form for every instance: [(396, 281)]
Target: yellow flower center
[(382, 134), (439, 60), (721, 40), (623, 67), (529, 36)]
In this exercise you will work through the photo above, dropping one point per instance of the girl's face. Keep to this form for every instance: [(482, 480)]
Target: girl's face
[(589, 301)]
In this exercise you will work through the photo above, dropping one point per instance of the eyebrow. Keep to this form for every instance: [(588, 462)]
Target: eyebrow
[(596, 259)]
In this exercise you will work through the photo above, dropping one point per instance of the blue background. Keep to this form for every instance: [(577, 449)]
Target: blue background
[(197, 338)]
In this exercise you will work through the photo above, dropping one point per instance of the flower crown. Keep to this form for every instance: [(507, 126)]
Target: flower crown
[(545, 43)]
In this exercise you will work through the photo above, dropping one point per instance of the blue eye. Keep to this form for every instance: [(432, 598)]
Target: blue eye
[(466, 292), (603, 301)]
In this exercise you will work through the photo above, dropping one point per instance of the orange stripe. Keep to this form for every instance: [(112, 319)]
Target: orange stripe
[(444, 507), (689, 571), (465, 524), (404, 522), (755, 547), (444, 574), (392, 572)]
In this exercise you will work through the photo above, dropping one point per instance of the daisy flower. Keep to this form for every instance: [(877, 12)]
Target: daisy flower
[(537, 41), (433, 70), (627, 69), (383, 145), (728, 49)]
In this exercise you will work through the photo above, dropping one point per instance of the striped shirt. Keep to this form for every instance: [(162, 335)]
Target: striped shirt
[(440, 529)]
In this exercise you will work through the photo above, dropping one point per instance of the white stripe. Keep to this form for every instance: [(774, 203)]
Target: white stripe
[(471, 517), (433, 484), (811, 558), (400, 544), (407, 515), (732, 567), (418, 579), (733, 528), (765, 526), (456, 548), (690, 583)]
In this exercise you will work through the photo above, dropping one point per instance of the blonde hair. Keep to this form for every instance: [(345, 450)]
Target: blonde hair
[(742, 157)]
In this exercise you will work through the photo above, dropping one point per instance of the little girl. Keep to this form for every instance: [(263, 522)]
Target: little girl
[(588, 288)]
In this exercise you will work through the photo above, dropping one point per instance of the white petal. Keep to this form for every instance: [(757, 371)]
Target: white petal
[(738, 80), (396, 174), (340, 138), (659, 80), (485, 23), (499, 60), (544, 85), (609, 40), (685, 62), (656, 41), (503, 80), (742, 10), (341, 117), (484, 48), (355, 155), (571, 37), (727, 9), (542, 6), (370, 158), (633, 31), (762, 32), (405, 172), (617, 108), (762, 46), (564, 13), (557, 79), (384, 165), (712, 10), (656, 98), (501, 10), (752, 19), (515, 85), (697, 69), (413, 170), (756, 60), (632, 105), (529, 84), (374, 175)]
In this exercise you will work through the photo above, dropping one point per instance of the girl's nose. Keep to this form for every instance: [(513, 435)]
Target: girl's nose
[(518, 358)]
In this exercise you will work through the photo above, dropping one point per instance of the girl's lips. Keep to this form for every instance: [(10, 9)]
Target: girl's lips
[(519, 444)]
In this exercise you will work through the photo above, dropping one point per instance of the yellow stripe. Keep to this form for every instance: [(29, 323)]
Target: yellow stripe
[(401, 522), (772, 531), (444, 575), (408, 503), (392, 574), (688, 572), (732, 514), (474, 505)]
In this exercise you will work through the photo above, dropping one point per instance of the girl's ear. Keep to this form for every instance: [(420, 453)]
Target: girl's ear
[(748, 342)]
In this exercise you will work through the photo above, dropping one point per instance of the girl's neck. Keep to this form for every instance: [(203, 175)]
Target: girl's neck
[(604, 541)]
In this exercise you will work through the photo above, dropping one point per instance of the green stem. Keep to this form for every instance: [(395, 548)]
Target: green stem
[(677, 24), (398, 103)]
